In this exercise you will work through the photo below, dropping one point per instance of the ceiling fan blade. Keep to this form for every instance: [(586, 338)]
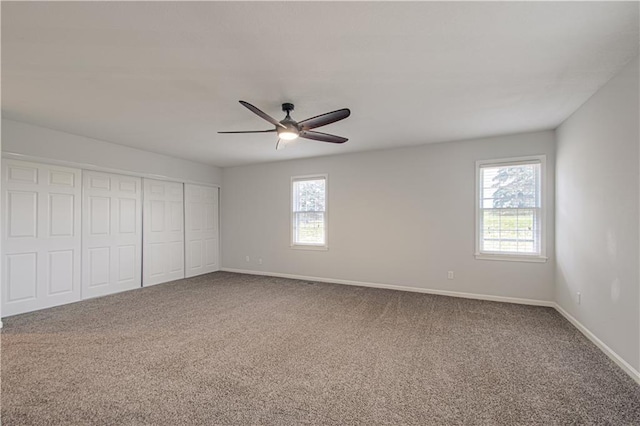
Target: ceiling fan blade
[(262, 114), (322, 137), (283, 143), (251, 131), (324, 119)]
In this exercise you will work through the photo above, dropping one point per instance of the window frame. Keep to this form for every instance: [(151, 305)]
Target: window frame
[(292, 232), (514, 161)]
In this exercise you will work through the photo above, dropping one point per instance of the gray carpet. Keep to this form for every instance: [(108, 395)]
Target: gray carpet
[(231, 349)]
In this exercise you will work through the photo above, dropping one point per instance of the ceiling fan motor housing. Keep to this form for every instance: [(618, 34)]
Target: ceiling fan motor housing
[(286, 107), (290, 125)]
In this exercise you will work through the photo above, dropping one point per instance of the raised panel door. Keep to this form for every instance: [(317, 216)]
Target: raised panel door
[(201, 229), (163, 223), (112, 233), (40, 236)]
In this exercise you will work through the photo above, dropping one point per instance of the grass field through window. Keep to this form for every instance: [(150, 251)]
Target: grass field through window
[(508, 230), (310, 228)]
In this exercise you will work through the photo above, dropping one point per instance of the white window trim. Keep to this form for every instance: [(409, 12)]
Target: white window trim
[(316, 247), (542, 257)]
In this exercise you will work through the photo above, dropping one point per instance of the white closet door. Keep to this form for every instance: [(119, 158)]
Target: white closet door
[(163, 232), (40, 236), (201, 229), (111, 233)]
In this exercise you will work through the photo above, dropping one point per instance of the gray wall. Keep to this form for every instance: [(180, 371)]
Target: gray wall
[(402, 217), (28, 139), (597, 216)]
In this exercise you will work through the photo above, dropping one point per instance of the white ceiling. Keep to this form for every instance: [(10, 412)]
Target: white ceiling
[(165, 77)]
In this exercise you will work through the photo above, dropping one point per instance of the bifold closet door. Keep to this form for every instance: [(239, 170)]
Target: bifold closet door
[(40, 236), (111, 233), (163, 232), (201, 229)]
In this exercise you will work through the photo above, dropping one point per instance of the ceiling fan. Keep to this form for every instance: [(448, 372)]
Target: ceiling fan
[(288, 129)]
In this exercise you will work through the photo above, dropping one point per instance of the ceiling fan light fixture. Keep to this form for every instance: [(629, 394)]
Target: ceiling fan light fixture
[(288, 135)]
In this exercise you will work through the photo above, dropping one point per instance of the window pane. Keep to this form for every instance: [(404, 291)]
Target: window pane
[(309, 195), (509, 230), (309, 228), (513, 186)]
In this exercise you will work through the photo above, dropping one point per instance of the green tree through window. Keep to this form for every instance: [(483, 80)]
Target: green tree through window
[(515, 187)]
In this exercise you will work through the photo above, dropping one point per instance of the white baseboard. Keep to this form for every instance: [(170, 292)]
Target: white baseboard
[(399, 287), (626, 367)]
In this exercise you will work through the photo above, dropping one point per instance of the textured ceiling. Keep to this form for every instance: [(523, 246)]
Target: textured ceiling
[(166, 76)]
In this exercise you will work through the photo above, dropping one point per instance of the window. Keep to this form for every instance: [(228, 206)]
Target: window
[(510, 210), (309, 212)]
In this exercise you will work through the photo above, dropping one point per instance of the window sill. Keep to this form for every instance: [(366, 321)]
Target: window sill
[(511, 258), (309, 247)]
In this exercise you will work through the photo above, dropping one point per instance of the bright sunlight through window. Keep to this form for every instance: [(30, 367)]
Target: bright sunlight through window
[(509, 213), (309, 215)]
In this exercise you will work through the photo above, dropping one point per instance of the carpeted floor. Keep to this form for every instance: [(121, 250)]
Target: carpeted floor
[(231, 349)]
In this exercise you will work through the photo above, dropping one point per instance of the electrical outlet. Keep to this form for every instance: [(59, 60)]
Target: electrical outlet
[(450, 275), (247, 259), (260, 261), (578, 298)]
